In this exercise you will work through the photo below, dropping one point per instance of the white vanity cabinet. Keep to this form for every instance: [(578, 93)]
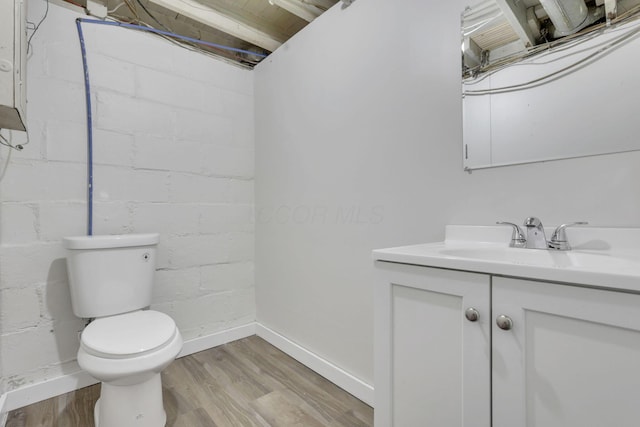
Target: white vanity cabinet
[(568, 356), (571, 359), (432, 364)]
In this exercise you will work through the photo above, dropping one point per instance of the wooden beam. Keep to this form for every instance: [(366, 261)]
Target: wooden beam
[(215, 19), (611, 10), (304, 10), (516, 14), (323, 4)]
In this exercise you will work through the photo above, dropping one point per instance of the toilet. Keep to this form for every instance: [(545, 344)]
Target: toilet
[(126, 346)]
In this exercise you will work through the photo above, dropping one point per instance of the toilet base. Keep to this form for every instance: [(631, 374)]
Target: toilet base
[(137, 405)]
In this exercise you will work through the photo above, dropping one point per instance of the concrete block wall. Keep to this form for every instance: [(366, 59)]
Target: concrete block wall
[(173, 153)]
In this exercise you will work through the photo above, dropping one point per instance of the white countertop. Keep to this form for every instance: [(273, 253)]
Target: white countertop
[(601, 257)]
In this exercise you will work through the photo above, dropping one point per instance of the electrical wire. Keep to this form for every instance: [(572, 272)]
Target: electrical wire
[(169, 34), (476, 75), (524, 61), (186, 45), (193, 44), (116, 8), (601, 50), (18, 147), (132, 8), (35, 29), (559, 73), (569, 46), (151, 16)]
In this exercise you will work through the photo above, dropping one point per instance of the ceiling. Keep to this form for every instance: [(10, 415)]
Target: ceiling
[(257, 27)]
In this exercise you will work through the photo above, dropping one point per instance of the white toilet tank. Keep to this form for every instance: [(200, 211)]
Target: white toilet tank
[(110, 275)]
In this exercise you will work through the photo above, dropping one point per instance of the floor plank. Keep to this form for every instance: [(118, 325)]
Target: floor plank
[(285, 408), (247, 382)]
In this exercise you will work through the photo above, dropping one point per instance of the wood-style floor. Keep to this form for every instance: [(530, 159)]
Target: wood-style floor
[(244, 383)]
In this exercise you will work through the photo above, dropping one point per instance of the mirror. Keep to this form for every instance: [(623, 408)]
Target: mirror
[(558, 99)]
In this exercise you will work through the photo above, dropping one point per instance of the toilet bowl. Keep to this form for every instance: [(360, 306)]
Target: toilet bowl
[(126, 346), (126, 353)]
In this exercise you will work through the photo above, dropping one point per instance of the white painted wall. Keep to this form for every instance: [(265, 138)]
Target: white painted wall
[(174, 154), (361, 113)]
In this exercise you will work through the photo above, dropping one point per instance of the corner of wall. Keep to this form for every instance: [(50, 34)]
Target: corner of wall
[(3, 413), (320, 365)]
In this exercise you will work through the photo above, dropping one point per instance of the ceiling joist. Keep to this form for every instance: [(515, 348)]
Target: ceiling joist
[(304, 10), (213, 18), (611, 9), (516, 14), (322, 4)]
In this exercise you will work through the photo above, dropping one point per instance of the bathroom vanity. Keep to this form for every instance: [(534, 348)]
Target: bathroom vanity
[(470, 332)]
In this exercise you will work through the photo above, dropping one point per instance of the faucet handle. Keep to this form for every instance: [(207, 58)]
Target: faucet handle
[(517, 236), (559, 239)]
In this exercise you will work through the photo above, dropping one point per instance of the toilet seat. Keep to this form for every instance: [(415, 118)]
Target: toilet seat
[(133, 369), (128, 335)]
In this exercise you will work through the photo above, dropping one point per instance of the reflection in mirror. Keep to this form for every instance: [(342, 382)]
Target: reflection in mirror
[(549, 79)]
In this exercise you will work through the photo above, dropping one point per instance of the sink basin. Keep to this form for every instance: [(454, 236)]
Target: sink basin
[(602, 257)]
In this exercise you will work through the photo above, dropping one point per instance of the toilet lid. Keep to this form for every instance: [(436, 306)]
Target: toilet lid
[(128, 334)]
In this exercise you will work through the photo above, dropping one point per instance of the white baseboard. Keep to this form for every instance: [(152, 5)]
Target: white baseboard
[(333, 373), (196, 345), (44, 390), (64, 384)]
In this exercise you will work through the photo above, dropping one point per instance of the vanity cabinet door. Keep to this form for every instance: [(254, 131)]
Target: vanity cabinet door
[(432, 364), (570, 359)]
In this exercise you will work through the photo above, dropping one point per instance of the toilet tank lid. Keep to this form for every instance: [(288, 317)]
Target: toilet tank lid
[(110, 241)]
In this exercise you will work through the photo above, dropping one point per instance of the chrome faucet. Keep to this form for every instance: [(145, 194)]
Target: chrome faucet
[(534, 238), (535, 234)]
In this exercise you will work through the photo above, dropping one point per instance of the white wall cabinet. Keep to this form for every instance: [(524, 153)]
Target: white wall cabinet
[(570, 358), (13, 60)]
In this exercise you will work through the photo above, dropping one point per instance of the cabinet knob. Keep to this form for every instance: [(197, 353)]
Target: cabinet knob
[(504, 322), (471, 314)]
